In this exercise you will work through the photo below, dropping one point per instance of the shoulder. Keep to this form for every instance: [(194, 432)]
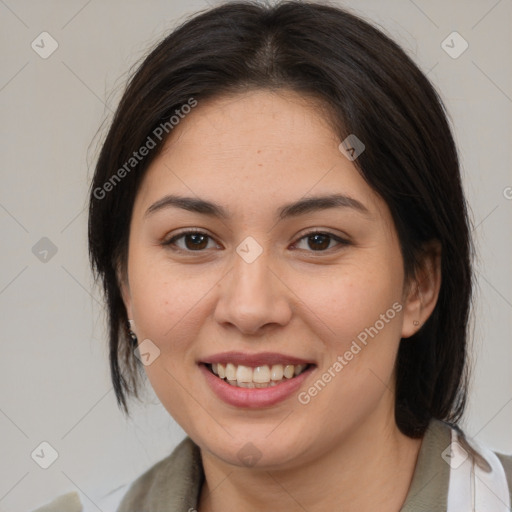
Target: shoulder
[(506, 462), (453, 469), (489, 472), (92, 502), (69, 502), (173, 483)]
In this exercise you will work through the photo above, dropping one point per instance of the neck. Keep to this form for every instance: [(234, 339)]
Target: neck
[(371, 469)]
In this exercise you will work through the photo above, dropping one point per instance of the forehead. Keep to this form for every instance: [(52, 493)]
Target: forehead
[(259, 122), (255, 147)]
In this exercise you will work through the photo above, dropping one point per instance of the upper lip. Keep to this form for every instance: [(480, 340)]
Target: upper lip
[(253, 360)]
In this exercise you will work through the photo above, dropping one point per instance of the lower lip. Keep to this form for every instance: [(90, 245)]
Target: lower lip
[(254, 398)]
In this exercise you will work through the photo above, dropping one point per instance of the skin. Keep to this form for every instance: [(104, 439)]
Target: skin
[(253, 153)]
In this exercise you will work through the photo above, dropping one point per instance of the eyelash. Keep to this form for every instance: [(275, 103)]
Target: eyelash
[(171, 242)]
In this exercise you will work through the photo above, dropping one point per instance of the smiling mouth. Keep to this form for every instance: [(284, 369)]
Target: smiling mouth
[(258, 377)]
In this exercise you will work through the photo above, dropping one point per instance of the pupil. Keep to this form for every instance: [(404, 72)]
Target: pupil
[(195, 237), (316, 237)]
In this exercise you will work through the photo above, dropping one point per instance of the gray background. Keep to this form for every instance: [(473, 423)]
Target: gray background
[(54, 378)]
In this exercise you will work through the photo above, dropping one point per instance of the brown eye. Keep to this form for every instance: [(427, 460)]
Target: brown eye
[(197, 241), (194, 241), (321, 241)]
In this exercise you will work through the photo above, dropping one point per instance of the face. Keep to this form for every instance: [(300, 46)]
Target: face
[(261, 285)]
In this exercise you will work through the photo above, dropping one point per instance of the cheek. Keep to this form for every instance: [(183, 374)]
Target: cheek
[(164, 296), (358, 296), (360, 325), (358, 320), (170, 306), (165, 306)]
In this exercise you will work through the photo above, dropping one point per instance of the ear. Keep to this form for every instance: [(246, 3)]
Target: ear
[(422, 290), (122, 279)]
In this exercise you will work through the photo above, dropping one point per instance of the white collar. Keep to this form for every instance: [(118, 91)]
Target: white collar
[(472, 487)]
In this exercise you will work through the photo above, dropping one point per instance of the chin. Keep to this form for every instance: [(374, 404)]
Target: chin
[(256, 450)]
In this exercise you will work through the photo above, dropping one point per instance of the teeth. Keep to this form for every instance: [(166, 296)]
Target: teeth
[(289, 371), (259, 377), (245, 384), (276, 373), (230, 371), (243, 374), (261, 374)]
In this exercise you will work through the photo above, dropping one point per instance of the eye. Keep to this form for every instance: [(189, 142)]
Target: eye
[(197, 241), (320, 241), (194, 241)]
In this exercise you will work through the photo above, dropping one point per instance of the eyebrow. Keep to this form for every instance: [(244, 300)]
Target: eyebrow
[(300, 207)]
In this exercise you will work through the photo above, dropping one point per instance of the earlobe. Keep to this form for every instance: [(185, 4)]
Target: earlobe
[(423, 290), (125, 294)]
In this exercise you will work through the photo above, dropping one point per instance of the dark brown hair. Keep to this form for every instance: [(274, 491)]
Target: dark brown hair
[(376, 92)]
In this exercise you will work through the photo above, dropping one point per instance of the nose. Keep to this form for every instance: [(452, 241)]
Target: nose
[(253, 297)]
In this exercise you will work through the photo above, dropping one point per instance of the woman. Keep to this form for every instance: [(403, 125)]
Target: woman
[(278, 222)]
